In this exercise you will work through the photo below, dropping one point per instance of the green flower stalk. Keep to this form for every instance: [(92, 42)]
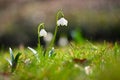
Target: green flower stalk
[(41, 33), (60, 21)]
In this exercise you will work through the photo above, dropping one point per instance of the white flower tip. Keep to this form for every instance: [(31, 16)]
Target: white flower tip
[(43, 33), (9, 61), (33, 50), (62, 21), (10, 49), (88, 70), (53, 48)]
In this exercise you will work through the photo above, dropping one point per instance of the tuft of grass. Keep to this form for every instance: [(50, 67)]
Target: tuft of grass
[(14, 60), (68, 63)]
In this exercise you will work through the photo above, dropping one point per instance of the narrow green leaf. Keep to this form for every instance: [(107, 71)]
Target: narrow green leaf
[(11, 55), (33, 50), (51, 52), (17, 57), (9, 61), (15, 62)]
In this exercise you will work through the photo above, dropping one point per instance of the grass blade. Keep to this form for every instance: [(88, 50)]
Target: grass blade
[(9, 61), (33, 50), (11, 55)]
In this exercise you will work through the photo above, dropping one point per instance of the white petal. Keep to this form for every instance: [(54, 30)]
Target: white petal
[(49, 37), (62, 22), (43, 33)]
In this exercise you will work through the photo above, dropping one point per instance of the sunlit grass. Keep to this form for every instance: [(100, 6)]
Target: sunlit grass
[(67, 64)]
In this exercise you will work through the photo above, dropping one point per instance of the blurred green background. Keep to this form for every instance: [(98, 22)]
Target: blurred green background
[(94, 19)]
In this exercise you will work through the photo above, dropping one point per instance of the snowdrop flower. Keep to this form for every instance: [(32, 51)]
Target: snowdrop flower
[(63, 41), (62, 21), (88, 70), (43, 33), (49, 37)]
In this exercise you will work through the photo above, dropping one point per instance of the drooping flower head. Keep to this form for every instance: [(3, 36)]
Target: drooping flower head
[(49, 37), (62, 22), (43, 33)]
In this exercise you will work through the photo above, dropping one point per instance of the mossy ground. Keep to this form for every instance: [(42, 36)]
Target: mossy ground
[(68, 63)]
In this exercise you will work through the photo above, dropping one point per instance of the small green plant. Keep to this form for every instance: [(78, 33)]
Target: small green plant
[(51, 52), (41, 33), (35, 53), (14, 60), (60, 21)]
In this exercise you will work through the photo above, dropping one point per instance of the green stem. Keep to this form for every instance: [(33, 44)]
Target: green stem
[(53, 40), (39, 27), (56, 28)]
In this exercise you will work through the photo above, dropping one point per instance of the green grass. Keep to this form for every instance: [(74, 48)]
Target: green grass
[(68, 63)]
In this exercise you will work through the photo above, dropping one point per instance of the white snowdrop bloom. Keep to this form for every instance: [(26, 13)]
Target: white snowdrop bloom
[(88, 70), (43, 33), (63, 41), (49, 37), (62, 21)]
